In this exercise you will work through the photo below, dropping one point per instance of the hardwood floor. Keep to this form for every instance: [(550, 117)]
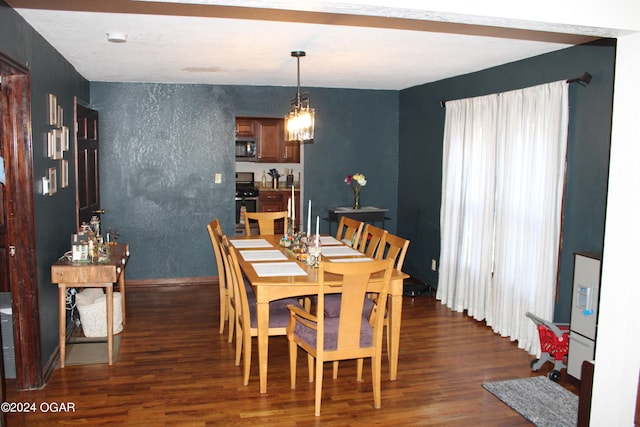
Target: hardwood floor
[(174, 369)]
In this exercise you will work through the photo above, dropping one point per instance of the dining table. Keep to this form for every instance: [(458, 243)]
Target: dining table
[(274, 272)]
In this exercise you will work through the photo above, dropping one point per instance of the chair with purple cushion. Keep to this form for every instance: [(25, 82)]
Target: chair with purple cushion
[(392, 248), (234, 299), (347, 336), (247, 323)]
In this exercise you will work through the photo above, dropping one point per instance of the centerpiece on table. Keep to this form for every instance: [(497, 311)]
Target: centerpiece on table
[(356, 181)]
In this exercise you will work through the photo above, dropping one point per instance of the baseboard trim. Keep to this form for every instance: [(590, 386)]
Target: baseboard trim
[(158, 284)]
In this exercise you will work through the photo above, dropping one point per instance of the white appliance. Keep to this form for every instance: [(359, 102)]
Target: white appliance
[(584, 311)]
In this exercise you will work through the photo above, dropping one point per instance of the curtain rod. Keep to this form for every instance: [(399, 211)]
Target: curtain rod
[(583, 80)]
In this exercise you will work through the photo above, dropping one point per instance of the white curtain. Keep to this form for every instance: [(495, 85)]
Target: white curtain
[(503, 179)]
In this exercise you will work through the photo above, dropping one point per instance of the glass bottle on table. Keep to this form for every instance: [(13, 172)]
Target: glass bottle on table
[(314, 251)]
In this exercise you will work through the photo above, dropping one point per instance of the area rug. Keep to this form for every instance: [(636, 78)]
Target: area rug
[(87, 351), (539, 400)]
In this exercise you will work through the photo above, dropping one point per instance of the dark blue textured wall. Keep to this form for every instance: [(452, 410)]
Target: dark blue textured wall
[(421, 133), (54, 215), (161, 145)]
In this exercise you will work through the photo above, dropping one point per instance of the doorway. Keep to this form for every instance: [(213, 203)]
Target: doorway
[(19, 242), (87, 167)]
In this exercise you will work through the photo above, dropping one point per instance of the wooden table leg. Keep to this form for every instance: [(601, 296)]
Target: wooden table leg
[(62, 321), (121, 287), (263, 342), (109, 296), (395, 316)]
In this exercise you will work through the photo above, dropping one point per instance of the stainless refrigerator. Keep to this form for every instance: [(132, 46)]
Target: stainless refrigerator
[(584, 311)]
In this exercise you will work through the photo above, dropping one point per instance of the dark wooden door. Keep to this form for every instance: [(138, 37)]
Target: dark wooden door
[(19, 226), (88, 172), (4, 275), (4, 245)]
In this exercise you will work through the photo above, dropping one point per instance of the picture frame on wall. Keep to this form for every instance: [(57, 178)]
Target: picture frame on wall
[(52, 109), (52, 174), (59, 117), (64, 174), (65, 138), (55, 144), (51, 144)]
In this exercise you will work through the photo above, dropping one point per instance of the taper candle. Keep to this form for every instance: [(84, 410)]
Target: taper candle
[(317, 231), (293, 205), (309, 219), (289, 207)]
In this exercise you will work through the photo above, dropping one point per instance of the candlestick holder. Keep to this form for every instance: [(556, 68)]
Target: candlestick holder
[(288, 237), (314, 251), (299, 246)]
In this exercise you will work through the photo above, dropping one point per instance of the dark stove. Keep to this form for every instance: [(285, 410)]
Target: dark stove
[(246, 192), (245, 185), (247, 195)]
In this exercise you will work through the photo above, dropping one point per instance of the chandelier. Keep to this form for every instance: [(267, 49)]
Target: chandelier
[(299, 123)]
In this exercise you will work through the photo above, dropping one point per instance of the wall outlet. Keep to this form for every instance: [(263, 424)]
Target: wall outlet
[(433, 264), (217, 178)]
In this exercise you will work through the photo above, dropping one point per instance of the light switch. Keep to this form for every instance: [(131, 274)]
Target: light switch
[(217, 178)]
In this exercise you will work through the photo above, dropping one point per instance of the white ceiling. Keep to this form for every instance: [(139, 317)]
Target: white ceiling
[(359, 44)]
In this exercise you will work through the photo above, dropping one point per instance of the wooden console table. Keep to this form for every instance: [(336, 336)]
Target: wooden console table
[(364, 214), (69, 274)]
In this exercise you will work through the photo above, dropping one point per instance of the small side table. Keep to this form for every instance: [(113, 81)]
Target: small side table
[(364, 214), (69, 274)]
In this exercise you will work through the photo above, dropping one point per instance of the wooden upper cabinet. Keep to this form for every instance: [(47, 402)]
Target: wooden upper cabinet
[(245, 127), (269, 140), (269, 137), (291, 152)]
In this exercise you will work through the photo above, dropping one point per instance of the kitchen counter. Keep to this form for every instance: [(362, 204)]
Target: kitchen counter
[(280, 188)]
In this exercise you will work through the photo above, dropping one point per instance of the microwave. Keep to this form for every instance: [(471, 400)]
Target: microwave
[(246, 151)]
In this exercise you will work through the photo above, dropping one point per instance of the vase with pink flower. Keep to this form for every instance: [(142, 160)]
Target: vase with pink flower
[(356, 182)]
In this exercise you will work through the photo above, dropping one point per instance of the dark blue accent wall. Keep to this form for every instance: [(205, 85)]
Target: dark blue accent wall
[(421, 133), (162, 143), (54, 215)]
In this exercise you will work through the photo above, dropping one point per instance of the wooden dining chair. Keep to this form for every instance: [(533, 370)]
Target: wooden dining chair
[(247, 321), (394, 249), (371, 239), (235, 305), (215, 234), (266, 221), (347, 336), (349, 230)]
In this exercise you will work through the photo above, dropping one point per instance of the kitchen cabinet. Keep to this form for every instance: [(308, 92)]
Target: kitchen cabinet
[(290, 152), (245, 127), (269, 138), (277, 200), (270, 133)]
